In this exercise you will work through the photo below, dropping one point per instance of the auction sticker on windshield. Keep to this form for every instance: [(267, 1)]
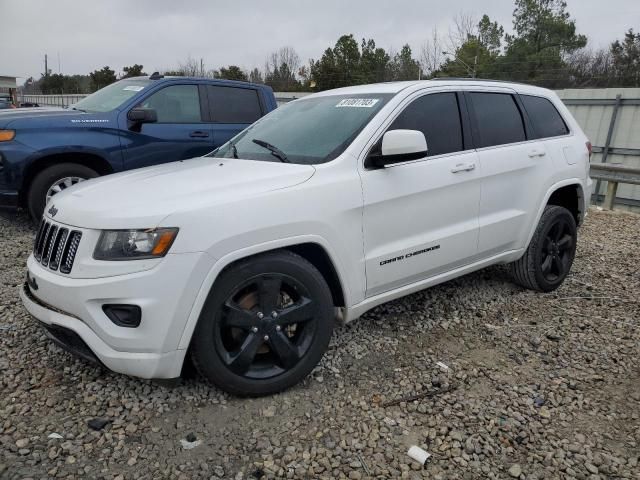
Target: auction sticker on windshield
[(358, 102), (133, 88)]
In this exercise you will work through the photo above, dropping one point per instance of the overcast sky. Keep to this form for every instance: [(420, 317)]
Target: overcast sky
[(160, 34)]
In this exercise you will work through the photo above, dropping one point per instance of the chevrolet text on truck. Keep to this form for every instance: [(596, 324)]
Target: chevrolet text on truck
[(132, 123), (344, 199)]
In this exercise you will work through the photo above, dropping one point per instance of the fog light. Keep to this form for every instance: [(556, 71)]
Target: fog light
[(123, 315)]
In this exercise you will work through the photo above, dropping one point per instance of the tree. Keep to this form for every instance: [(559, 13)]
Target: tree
[(431, 54), (339, 66), (544, 35), (478, 54), (102, 78), (403, 66), (192, 68), (280, 70), (232, 72), (592, 68), (625, 57), (374, 63), (489, 35), (255, 76), (134, 70)]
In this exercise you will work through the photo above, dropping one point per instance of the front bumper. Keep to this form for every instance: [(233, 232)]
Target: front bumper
[(70, 309)]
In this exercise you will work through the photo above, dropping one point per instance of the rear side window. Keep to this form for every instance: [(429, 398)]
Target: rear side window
[(498, 119), (437, 116), (233, 105), (546, 120), (176, 104)]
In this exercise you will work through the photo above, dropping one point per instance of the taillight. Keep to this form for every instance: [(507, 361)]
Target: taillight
[(589, 148)]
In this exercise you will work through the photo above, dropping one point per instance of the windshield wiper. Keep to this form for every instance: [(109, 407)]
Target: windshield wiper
[(234, 150), (275, 151), (79, 109)]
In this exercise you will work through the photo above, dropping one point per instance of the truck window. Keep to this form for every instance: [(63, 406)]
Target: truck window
[(233, 105), (438, 117), (176, 104), (498, 119)]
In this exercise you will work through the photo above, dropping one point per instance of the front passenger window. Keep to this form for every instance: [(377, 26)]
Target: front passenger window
[(437, 116), (176, 104)]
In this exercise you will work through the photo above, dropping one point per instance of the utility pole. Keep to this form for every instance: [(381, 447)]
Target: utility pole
[(46, 66), (475, 66)]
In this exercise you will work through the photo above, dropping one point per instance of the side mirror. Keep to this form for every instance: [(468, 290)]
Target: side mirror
[(142, 115), (398, 146)]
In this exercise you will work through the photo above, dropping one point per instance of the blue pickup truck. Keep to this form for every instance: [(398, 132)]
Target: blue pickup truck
[(133, 123)]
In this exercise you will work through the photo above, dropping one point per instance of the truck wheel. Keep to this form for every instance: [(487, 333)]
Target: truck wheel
[(265, 325), (53, 180), (548, 259)]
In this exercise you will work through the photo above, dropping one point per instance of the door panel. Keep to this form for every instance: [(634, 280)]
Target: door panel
[(512, 166), (420, 219), (178, 134), (509, 190)]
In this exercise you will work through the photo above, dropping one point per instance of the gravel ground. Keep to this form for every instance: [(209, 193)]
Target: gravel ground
[(537, 386)]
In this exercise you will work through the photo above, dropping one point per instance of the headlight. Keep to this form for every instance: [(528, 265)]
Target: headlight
[(134, 244), (7, 135)]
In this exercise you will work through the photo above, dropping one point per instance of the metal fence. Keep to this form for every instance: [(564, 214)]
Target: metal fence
[(611, 119), (61, 100)]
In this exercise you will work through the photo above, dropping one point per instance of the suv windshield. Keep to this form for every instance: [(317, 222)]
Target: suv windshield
[(112, 96), (307, 131)]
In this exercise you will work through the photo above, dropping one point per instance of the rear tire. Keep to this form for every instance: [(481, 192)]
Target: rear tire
[(265, 325), (548, 259), (48, 178)]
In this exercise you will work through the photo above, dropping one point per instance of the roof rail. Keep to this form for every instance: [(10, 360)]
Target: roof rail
[(467, 79)]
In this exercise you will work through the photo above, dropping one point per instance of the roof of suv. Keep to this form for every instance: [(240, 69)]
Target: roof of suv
[(395, 87)]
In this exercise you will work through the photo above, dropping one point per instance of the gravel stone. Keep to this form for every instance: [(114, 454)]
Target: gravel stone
[(538, 383), (515, 470)]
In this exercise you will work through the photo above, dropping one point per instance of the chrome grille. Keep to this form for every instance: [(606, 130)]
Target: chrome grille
[(56, 247)]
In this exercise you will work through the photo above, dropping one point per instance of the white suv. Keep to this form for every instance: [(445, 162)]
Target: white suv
[(347, 198)]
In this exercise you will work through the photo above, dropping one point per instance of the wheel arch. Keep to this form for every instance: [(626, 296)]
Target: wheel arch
[(91, 160), (571, 197), (312, 248), (563, 191)]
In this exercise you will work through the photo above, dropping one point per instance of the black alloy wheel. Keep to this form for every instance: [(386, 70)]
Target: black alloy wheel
[(557, 251), (265, 325), (548, 258)]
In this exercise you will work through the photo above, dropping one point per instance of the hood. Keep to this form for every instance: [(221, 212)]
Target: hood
[(44, 117), (142, 198)]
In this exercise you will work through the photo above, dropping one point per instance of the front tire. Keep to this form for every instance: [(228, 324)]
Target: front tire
[(53, 180), (265, 325), (548, 259)]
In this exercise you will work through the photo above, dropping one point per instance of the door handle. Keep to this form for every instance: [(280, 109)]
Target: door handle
[(199, 134), (537, 153), (463, 167)]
